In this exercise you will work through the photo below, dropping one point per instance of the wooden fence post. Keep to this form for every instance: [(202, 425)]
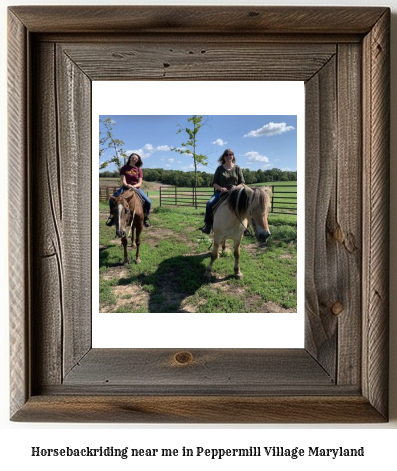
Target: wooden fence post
[(272, 205)]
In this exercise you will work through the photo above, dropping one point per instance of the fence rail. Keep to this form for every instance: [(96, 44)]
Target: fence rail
[(106, 191), (284, 198)]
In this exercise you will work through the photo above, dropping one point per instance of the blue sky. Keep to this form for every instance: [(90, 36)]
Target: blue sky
[(259, 142)]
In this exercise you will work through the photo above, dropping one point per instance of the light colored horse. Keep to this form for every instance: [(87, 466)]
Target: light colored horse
[(231, 220), (128, 213)]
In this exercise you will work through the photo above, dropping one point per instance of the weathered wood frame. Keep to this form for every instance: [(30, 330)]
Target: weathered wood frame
[(342, 54)]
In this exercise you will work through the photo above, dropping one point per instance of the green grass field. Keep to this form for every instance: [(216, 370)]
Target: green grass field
[(174, 257)]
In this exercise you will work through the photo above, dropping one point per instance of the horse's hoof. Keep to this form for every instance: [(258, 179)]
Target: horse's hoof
[(126, 262), (238, 276), (138, 261), (207, 275)]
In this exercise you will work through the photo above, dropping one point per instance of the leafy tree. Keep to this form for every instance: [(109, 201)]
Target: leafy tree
[(190, 146), (108, 141)]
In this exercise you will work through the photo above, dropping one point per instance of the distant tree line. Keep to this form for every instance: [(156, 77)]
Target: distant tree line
[(204, 179)]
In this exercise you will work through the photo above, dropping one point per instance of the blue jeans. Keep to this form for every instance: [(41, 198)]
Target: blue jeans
[(146, 205), (211, 203)]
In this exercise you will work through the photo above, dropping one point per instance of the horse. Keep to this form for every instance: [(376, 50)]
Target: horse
[(231, 220), (128, 212)]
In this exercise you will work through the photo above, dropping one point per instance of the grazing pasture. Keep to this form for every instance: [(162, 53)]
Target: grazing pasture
[(174, 257)]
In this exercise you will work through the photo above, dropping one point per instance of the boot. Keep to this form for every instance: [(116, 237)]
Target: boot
[(146, 221), (206, 229), (110, 221)]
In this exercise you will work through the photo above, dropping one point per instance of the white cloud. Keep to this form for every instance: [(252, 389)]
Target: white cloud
[(148, 149), (143, 152), (220, 142), (170, 161), (164, 148), (270, 129), (254, 156)]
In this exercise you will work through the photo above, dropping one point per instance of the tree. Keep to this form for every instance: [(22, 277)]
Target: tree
[(107, 141), (189, 147)]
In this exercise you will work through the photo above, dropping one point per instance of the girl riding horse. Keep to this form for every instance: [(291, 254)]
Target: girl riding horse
[(132, 176), (227, 176)]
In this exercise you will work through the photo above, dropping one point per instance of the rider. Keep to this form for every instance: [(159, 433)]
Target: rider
[(132, 175), (227, 176)]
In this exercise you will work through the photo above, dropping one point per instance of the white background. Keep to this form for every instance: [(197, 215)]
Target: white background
[(379, 440), (231, 330)]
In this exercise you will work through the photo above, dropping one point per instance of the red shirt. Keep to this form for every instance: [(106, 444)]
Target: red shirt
[(132, 174)]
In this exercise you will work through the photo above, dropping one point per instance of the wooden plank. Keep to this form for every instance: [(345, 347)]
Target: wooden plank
[(347, 229), (199, 19), (320, 173), (201, 368), (18, 210), (73, 89), (199, 409), (223, 59), (376, 93), (48, 253)]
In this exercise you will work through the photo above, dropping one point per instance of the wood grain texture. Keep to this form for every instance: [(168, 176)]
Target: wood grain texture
[(18, 208), (199, 409), (250, 370), (376, 90), (341, 375), (348, 222), (209, 59), (320, 190), (62, 207), (198, 19)]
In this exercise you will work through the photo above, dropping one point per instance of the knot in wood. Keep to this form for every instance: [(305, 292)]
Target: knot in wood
[(183, 358), (337, 308), (339, 235)]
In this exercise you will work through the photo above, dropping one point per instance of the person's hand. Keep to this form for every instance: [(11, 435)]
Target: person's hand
[(223, 190)]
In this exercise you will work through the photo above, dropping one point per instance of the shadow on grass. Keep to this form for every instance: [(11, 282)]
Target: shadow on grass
[(175, 279)]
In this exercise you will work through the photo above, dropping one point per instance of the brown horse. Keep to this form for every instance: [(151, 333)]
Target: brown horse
[(231, 220), (128, 213)]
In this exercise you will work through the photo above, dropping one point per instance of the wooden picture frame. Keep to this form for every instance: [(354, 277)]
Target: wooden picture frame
[(342, 54)]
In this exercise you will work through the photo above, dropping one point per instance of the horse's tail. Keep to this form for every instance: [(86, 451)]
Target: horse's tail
[(238, 201)]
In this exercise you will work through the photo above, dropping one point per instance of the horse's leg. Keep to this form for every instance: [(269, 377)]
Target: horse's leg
[(214, 256), (224, 245), (132, 236), (138, 231), (124, 242), (237, 272)]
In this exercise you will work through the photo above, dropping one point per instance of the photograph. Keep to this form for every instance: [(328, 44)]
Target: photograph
[(198, 213)]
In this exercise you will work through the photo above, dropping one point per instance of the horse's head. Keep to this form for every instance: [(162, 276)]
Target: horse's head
[(121, 213), (259, 213)]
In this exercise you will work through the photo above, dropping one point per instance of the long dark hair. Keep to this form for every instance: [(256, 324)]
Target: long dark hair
[(139, 162), (221, 159)]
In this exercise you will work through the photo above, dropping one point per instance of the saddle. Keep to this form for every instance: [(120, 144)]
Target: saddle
[(133, 190)]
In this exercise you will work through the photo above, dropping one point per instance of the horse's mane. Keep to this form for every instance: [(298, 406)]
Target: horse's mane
[(239, 200)]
